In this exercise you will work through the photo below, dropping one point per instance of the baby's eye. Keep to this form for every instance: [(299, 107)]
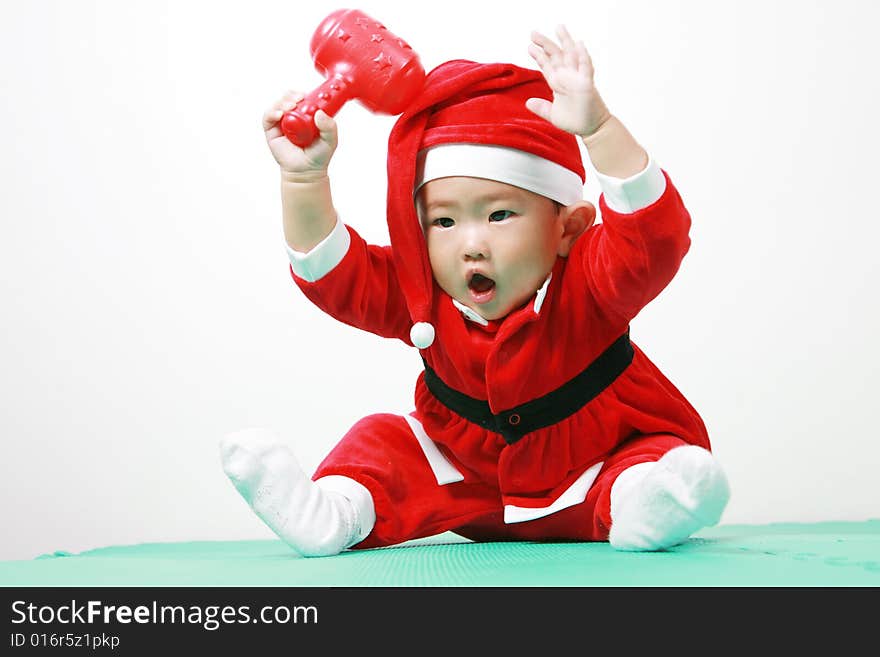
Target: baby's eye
[(500, 215), (444, 222)]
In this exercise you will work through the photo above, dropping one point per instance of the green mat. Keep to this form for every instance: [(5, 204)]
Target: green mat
[(816, 554)]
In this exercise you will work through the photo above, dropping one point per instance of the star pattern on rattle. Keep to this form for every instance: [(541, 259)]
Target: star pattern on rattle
[(382, 60)]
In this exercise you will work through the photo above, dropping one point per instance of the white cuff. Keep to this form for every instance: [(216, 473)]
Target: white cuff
[(626, 195), (360, 498), (323, 257)]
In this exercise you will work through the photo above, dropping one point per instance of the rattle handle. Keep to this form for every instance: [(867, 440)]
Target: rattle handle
[(298, 125)]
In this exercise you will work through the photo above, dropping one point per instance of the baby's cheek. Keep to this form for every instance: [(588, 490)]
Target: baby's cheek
[(441, 271), (435, 255)]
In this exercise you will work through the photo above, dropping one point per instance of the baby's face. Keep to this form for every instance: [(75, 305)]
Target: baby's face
[(491, 245)]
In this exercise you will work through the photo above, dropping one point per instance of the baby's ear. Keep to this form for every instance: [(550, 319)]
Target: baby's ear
[(576, 218)]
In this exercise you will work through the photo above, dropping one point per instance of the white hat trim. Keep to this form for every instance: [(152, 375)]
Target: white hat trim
[(508, 165)]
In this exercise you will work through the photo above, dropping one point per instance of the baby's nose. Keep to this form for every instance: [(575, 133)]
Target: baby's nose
[(475, 246)]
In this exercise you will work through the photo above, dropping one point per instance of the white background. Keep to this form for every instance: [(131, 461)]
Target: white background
[(147, 308)]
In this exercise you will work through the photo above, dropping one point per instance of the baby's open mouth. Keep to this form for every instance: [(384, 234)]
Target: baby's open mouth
[(481, 288), (480, 284)]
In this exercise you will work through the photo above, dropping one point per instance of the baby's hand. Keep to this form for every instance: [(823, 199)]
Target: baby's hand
[(577, 106), (300, 162)]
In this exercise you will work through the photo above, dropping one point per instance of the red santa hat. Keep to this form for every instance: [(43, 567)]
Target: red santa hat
[(470, 120)]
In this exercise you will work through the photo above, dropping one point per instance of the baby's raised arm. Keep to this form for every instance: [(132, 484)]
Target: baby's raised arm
[(306, 203), (578, 108)]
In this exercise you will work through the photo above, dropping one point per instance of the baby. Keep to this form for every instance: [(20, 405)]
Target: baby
[(536, 416)]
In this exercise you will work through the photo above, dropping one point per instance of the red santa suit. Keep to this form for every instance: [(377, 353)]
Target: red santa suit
[(522, 424)]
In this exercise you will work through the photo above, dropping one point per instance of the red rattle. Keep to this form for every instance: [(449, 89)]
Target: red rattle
[(361, 60)]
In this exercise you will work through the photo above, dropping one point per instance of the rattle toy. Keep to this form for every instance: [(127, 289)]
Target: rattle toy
[(360, 60)]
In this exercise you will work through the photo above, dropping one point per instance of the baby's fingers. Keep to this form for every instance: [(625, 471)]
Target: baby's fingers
[(564, 38), (326, 126), (539, 56), (584, 62), (271, 117), (546, 46), (569, 48), (286, 103)]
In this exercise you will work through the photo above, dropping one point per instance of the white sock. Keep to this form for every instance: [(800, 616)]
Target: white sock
[(659, 504), (315, 518)]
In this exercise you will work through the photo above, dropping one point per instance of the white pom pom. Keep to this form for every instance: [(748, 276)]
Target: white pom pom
[(422, 335)]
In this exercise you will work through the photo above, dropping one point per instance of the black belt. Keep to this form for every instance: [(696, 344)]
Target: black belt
[(544, 411)]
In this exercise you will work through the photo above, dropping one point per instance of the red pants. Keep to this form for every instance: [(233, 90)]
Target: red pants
[(382, 453)]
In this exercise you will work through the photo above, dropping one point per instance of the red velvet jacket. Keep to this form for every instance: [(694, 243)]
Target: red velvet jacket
[(613, 270)]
